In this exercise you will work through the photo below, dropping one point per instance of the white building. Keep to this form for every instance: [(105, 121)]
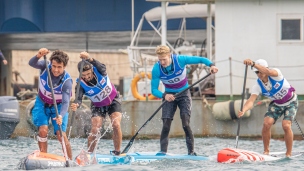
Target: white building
[(267, 29)]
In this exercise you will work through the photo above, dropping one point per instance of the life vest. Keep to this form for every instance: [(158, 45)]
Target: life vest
[(44, 90), (101, 94), (280, 92), (176, 79)]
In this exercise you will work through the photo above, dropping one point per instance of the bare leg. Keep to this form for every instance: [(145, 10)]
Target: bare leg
[(66, 142), (286, 124), (96, 125), (42, 132), (266, 133), (117, 135)]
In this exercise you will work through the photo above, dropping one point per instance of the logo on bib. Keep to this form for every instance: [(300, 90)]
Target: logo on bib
[(180, 71), (43, 82), (102, 81), (90, 92), (277, 85)]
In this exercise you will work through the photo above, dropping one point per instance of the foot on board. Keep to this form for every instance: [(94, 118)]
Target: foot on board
[(115, 153)]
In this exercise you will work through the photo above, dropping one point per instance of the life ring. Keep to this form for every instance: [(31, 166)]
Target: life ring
[(134, 86)]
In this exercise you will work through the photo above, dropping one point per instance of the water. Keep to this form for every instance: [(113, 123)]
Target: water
[(11, 151)]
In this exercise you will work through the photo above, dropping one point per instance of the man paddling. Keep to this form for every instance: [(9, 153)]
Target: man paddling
[(171, 70), (44, 108), (272, 84), (96, 85)]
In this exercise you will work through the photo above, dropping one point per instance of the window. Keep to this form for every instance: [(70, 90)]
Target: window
[(291, 29)]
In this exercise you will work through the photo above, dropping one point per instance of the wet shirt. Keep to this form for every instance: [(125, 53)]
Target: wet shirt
[(181, 61), (66, 88)]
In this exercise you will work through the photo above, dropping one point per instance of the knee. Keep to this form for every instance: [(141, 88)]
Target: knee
[(116, 125), (43, 132), (95, 129), (267, 125), (166, 128), (286, 126)]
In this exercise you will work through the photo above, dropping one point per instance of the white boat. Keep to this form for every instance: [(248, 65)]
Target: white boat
[(142, 58)]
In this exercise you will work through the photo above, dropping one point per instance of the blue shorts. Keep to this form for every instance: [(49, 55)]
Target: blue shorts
[(41, 115)]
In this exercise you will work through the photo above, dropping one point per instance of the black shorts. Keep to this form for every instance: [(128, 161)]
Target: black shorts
[(184, 103), (115, 106)]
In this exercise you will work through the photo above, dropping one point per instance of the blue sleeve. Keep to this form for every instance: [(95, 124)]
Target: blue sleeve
[(66, 96), (155, 81), (183, 60), (35, 63)]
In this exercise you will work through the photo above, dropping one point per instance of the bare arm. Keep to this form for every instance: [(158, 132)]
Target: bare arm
[(262, 69), (248, 105)]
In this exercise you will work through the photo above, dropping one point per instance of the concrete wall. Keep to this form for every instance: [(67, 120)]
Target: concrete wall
[(117, 65), (251, 29), (203, 122)]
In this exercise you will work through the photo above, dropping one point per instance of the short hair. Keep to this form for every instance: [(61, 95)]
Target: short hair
[(86, 66), (162, 50), (59, 56)]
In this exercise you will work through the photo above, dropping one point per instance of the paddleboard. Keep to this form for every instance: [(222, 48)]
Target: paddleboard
[(232, 155), (132, 157), (41, 160)]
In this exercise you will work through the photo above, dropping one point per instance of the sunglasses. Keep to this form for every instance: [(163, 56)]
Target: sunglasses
[(257, 72)]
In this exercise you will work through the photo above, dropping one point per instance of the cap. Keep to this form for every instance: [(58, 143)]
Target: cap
[(261, 62)]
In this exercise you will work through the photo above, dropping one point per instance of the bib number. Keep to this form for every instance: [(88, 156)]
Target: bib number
[(104, 93), (175, 80), (280, 94)]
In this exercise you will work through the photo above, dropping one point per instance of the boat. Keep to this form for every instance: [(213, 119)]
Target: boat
[(129, 158), (141, 51), (9, 116), (233, 155), (41, 160)]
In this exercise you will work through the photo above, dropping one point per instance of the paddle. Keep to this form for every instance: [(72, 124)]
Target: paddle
[(242, 102), (127, 148), (76, 96), (56, 111)]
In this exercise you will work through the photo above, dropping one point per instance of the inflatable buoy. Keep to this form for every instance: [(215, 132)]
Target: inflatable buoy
[(134, 86), (228, 110)]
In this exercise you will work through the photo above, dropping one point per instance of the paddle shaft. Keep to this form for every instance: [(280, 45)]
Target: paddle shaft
[(242, 102), (56, 111), (76, 96), (127, 148)]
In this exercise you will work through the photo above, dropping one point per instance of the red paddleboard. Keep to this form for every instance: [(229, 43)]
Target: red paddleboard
[(232, 155)]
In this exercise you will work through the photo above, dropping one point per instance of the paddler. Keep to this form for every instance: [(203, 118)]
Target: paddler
[(284, 102), (44, 109), (171, 70), (96, 85)]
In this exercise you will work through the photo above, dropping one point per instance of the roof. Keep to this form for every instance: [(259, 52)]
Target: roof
[(180, 11)]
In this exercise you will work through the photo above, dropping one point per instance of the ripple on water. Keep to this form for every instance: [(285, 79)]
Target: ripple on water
[(14, 149)]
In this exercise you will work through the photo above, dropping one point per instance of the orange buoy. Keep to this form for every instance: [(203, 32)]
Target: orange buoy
[(134, 86)]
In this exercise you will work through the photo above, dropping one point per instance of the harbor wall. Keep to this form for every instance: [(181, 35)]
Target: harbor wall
[(203, 122)]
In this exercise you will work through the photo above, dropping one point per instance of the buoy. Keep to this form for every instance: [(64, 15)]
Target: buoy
[(134, 86), (228, 110)]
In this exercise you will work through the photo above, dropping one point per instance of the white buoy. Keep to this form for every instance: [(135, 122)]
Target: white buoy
[(228, 110)]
